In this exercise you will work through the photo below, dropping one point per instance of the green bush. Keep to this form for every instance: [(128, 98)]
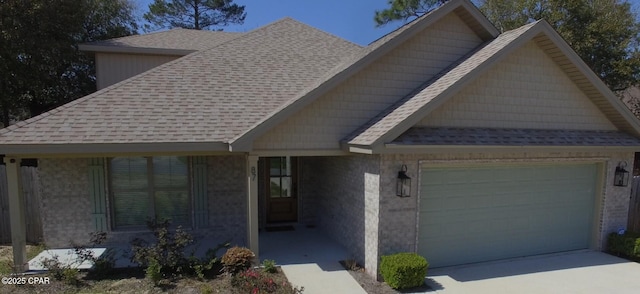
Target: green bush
[(403, 270), (70, 276), (237, 259), (168, 250), (166, 256), (269, 266), (627, 245), (153, 272)]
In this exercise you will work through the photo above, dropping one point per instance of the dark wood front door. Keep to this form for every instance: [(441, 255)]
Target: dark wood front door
[(281, 190)]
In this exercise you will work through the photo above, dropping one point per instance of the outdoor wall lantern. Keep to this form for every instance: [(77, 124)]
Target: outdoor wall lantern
[(621, 177), (403, 183)]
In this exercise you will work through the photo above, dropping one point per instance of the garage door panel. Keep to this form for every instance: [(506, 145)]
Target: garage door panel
[(500, 212)]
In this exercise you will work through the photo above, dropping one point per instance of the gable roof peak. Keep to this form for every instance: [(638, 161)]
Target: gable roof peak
[(464, 9), (468, 12), (400, 117)]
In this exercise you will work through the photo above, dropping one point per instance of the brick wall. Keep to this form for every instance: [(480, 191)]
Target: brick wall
[(64, 187), (615, 203), (66, 206), (348, 191), (308, 191), (227, 189)]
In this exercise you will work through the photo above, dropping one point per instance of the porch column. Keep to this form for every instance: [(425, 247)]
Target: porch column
[(17, 214), (252, 204)]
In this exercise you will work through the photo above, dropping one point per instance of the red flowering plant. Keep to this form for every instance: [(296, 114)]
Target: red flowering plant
[(256, 282)]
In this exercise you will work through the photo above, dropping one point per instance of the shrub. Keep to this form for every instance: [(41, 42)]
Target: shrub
[(252, 281), (269, 266), (351, 264), (403, 270), (211, 261), (168, 250), (153, 271), (627, 244), (61, 272), (166, 255), (70, 276), (102, 265), (237, 259), (55, 267)]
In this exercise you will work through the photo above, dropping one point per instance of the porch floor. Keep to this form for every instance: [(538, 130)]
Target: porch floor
[(309, 258), (301, 245)]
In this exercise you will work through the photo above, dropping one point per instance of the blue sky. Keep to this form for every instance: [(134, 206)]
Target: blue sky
[(348, 19)]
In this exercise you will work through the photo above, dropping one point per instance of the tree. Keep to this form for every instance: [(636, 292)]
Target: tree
[(40, 64), (404, 10), (194, 14), (604, 33)]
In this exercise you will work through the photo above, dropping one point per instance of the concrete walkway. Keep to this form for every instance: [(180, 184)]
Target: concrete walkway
[(573, 272), (309, 259)]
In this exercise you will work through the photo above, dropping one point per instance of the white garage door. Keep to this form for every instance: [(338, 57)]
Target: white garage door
[(481, 212)]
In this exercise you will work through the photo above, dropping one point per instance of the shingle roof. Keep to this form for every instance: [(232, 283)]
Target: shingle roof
[(512, 137), (361, 58), (180, 39), (208, 96), (411, 104)]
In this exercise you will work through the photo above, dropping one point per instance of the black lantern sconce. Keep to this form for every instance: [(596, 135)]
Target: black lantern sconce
[(403, 183), (621, 177)]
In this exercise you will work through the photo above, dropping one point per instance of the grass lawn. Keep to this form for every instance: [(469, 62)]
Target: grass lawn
[(128, 280), (6, 257)]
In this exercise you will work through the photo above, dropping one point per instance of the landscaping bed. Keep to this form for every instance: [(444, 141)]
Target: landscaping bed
[(125, 280), (164, 265), (133, 280)]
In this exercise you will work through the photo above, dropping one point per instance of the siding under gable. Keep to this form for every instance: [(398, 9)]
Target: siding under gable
[(112, 68), (329, 119), (526, 90)]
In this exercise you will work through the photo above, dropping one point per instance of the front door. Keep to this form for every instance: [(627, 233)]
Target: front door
[(281, 190)]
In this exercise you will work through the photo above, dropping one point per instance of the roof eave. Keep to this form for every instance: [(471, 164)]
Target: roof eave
[(134, 50), (399, 148), (111, 149)]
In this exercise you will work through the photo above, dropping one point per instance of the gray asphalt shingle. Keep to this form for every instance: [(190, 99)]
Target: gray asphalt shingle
[(181, 39), (208, 96), (513, 137)]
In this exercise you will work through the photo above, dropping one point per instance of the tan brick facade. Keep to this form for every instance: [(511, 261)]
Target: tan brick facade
[(348, 200), (66, 210), (352, 198)]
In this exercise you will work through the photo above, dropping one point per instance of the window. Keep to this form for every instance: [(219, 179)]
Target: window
[(280, 177), (144, 188)]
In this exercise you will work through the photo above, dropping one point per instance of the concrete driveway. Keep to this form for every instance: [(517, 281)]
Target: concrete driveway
[(571, 272)]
